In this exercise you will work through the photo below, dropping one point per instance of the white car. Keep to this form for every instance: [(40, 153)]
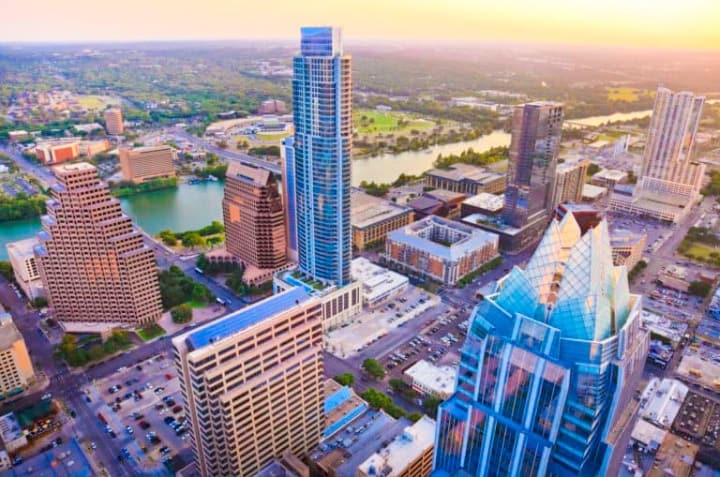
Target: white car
[(46, 396)]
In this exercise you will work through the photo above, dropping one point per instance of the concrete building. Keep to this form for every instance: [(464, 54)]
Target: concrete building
[(670, 179), (609, 178), (372, 218), (90, 148), (569, 181), (409, 455), (439, 202), (627, 247), (94, 264), (114, 121), (252, 382), (18, 136), (16, 370), (466, 179), (549, 370), (25, 267), (431, 380), (57, 151), (321, 155), (142, 164), (254, 217), (440, 249), (483, 203), (593, 193), (378, 283), (272, 106), (65, 460), (11, 434)]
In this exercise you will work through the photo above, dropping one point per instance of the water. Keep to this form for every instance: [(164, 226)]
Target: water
[(598, 120), (16, 230)]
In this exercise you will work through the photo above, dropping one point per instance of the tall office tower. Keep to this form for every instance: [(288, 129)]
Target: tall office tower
[(534, 149), (114, 121), (569, 181), (93, 262), (550, 367), (16, 372), (252, 382), (289, 197), (322, 110), (142, 164), (254, 217)]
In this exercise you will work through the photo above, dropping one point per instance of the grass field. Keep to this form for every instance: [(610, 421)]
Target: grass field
[(369, 121), (93, 102), (151, 331), (626, 94), (700, 250)]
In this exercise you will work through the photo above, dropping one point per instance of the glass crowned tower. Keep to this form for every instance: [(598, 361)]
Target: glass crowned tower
[(320, 156), (550, 367)]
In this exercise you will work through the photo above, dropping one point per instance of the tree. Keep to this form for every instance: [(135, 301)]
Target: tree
[(430, 405), (414, 416), (181, 314), (192, 239), (593, 169), (345, 379), (373, 368), (39, 302), (6, 270), (199, 293), (698, 288)]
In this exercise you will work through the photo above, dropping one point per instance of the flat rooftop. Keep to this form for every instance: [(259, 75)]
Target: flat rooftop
[(65, 460), (22, 249), (458, 172), (68, 168), (675, 457), (341, 407), (484, 200), (439, 380), (367, 210), (9, 334)]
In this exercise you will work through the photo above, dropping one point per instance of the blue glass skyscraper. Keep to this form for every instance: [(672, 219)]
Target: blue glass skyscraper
[(549, 370), (320, 154)]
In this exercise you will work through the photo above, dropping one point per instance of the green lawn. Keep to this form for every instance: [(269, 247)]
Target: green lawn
[(92, 102), (627, 94), (700, 250), (368, 121), (198, 304), (150, 332)]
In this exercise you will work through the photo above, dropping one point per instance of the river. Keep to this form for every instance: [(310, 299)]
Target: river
[(194, 206)]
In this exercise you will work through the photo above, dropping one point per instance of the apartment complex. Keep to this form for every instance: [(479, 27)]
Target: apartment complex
[(569, 181), (58, 151), (410, 454), (372, 218), (254, 217), (320, 153), (549, 370), (25, 267), (252, 382), (440, 249), (670, 180), (466, 179), (142, 164), (113, 121), (93, 262), (16, 370)]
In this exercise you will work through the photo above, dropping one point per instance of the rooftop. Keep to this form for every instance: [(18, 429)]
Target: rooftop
[(376, 280), (592, 191), (65, 460), (366, 210), (341, 407), (662, 400), (145, 149), (22, 249), (68, 168), (458, 172), (444, 195), (611, 175), (9, 334), (248, 173), (675, 457), (620, 237), (439, 380), (489, 202)]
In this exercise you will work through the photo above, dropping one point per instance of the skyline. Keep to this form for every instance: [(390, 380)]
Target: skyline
[(629, 23)]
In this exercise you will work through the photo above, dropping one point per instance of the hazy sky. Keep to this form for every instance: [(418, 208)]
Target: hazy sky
[(662, 23)]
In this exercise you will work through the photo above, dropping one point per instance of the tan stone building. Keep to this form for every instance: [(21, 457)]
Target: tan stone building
[(627, 247), (252, 383), (569, 181), (25, 267), (372, 218), (93, 262), (114, 121), (254, 217), (16, 370), (142, 164)]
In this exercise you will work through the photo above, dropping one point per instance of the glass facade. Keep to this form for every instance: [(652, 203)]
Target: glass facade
[(549, 364), (322, 109)]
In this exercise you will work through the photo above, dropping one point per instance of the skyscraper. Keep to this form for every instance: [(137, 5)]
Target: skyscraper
[(534, 149), (569, 181), (93, 262), (254, 218), (670, 180), (550, 366), (252, 382), (320, 155), (114, 121)]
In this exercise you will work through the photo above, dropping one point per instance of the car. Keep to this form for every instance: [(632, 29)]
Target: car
[(164, 450), (47, 396), (168, 420), (139, 368), (93, 446), (170, 402), (137, 416), (112, 434), (177, 409), (129, 430), (73, 414), (148, 386), (159, 406), (144, 425), (159, 389), (87, 399)]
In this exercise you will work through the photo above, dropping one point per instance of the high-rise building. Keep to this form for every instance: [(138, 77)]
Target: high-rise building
[(670, 180), (16, 372), (289, 197), (25, 267), (322, 111), (569, 181), (93, 262), (550, 367), (142, 164), (252, 382), (254, 217), (114, 121)]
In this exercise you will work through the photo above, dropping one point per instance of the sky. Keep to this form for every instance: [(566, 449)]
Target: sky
[(691, 24)]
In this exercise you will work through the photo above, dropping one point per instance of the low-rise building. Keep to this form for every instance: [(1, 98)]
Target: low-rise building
[(16, 372), (593, 193), (466, 179), (11, 435), (25, 267), (65, 460), (431, 380), (341, 406), (675, 457), (57, 151), (482, 203), (378, 283), (609, 178), (403, 194), (409, 455), (272, 106), (372, 218), (90, 148), (440, 249), (440, 202), (627, 247), (142, 164), (661, 401), (19, 135)]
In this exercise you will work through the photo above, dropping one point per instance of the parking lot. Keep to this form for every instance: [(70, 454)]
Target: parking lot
[(142, 406)]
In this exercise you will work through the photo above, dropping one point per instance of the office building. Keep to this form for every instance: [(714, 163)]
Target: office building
[(142, 164), (550, 367), (57, 151), (466, 179), (431, 380), (483, 203), (320, 173), (25, 267), (372, 218), (94, 263), (16, 370), (252, 382), (272, 106), (289, 197), (440, 249), (627, 247), (254, 217), (609, 178), (439, 202), (113, 121), (378, 283), (569, 181), (408, 455), (670, 180)]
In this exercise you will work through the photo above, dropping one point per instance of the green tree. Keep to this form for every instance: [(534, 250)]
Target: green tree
[(6, 270), (39, 302), (181, 314), (592, 169), (373, 368), (345, 379), (199, 293), (698, 288), (192, 240), (430, 405)]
